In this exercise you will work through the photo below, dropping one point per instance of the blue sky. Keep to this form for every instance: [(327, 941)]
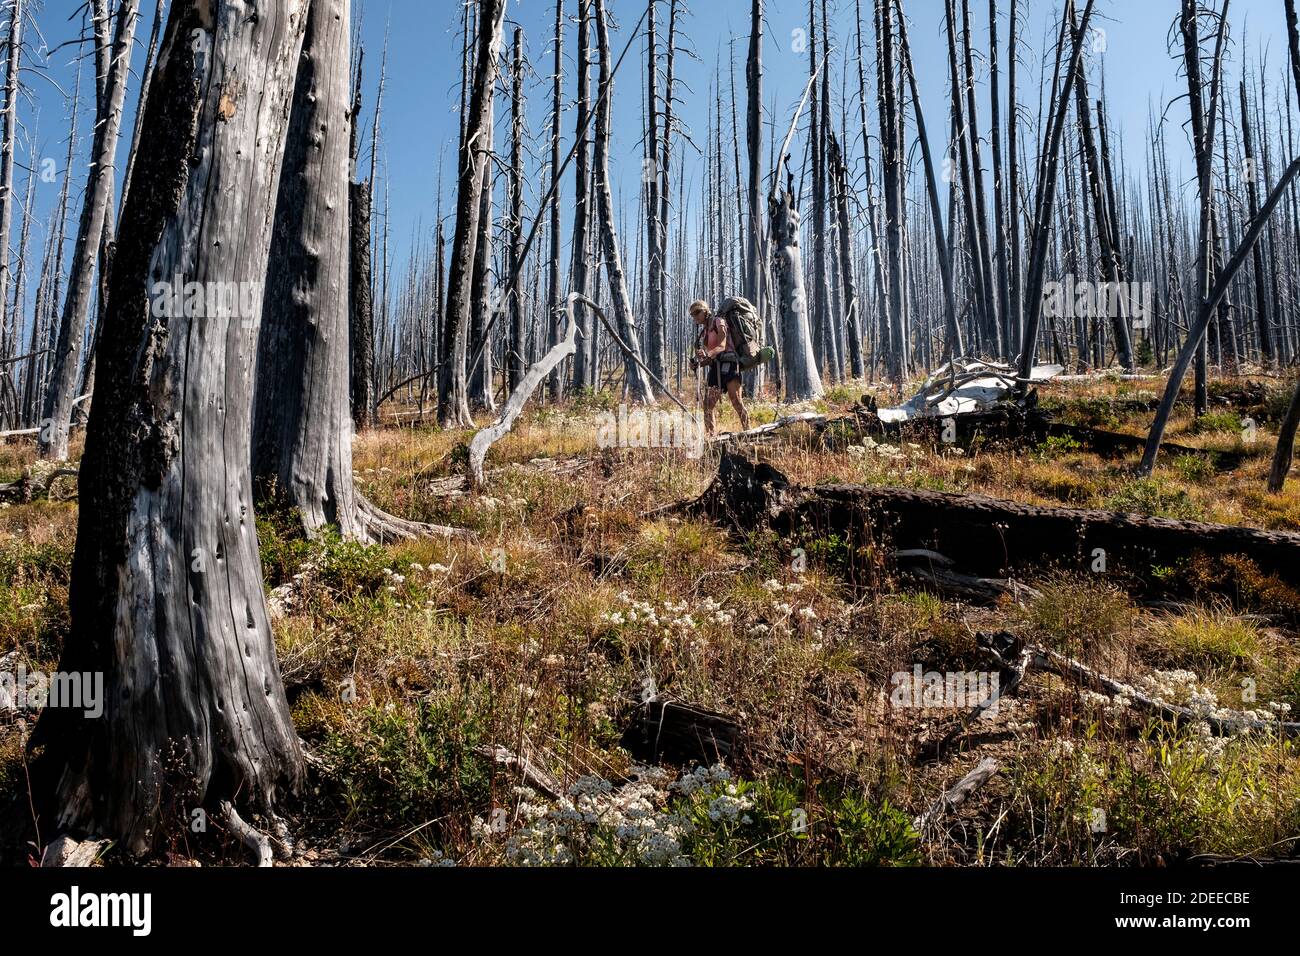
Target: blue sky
[(421, 98)]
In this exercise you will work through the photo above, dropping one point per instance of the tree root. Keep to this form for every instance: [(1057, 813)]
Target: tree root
[(387, 528)]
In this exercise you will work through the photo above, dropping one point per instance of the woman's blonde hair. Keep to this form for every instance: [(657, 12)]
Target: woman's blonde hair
[(699, 305)]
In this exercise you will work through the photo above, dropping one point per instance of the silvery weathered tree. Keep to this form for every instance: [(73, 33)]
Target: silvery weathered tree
[(638, 383), (166, 595), (471, 165), (65, 375)]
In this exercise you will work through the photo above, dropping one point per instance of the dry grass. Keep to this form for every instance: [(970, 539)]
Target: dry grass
[(542, 635)]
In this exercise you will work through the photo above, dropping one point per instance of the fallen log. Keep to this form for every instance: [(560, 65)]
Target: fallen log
[(1221, 722), (1007, 423), (68, 852), (983, 536), (803, 418), (1010, 653), (663, 731), (935, 571), (35, 483), (1110, 444)]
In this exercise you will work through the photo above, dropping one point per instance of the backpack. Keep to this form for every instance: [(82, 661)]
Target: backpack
[(743, 330), (744, 333)]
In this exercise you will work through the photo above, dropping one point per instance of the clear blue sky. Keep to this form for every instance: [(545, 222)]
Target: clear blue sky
[(421, 98)]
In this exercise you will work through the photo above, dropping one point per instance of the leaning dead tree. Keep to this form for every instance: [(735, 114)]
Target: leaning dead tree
[(1212, 282), (166, 596), (1291, 421)]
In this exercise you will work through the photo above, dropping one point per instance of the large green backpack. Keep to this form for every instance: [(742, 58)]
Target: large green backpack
[(744, 331)]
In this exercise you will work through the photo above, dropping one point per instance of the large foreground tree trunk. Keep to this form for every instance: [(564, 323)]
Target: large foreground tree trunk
[(166, 595)]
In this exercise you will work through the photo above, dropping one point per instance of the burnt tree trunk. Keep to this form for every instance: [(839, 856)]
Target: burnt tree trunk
[(81, 288), (166, 595), (799, 372), (302, 416), (14, 42), (361, 308), (639, 389), (453, 390), (981, 535)]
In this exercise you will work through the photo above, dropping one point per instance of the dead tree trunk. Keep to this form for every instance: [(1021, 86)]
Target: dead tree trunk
[(639, 389), (584, 361), (361, 309), (302, 421), (556, 382), (7, 142), (453, 390), (892, 163), (166, 595), (655, 318), (798, 363), (754, 240), (955, 346), (852, 306), (72, 329), (1045, 201), (516, 357), (1209, 295)]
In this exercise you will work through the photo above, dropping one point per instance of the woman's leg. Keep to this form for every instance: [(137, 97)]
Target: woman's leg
[(733, 392), (711, 396)]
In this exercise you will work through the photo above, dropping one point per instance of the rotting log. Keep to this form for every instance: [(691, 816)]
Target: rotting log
[(982, 536), (663, 731), (1005, 423)]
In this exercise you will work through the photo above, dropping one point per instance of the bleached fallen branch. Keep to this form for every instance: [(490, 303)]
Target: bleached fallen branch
[(258, 843), (533, 775), (67, 852), (1222, 723), (951, 799), (536, 374), (806, 417)]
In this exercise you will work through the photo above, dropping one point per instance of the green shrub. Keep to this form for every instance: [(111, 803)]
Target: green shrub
[(1150, 496)]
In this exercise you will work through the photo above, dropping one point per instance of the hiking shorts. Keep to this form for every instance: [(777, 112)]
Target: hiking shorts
[(722, 374)]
